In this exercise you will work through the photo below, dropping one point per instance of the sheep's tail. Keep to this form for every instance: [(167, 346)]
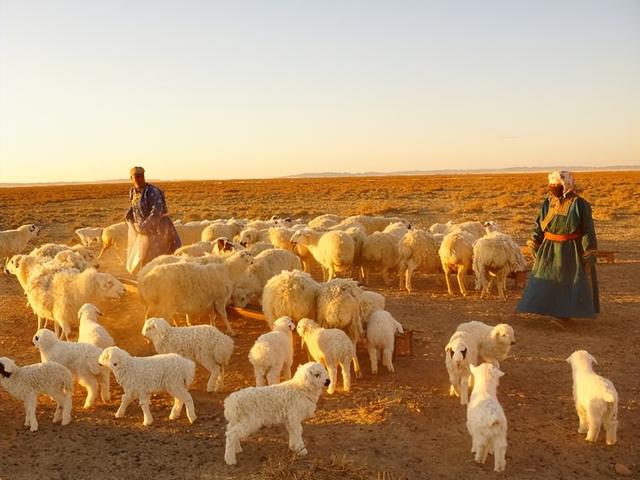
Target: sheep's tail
[(398, 325)]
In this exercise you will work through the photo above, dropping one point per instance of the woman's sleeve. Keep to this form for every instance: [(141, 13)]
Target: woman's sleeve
[(150, 225), (589, 240)]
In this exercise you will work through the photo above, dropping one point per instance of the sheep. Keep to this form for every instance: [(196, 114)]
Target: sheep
[(258, 247), (15, 241), (198, 249), (440, 228), (115, 235), (80, 358), (223, 246), (90, 235), (331, 347), (272, 353), (288, 403), (221, 228), (251, 235), (486, 421), (494, 257), (475, 229), (333, 250), (203, 344), (281, 238), (324, 222), (60, 295), (460, 353), (141, 376), (381, 334), (358, 234), (595, 397), (291, 294), (90, 331), (190, 233), (494, 343), (249, 286), (28, 382), (191, 288), (380, 250), (417, 248), (456, 254), (52, 250), (374, 223)]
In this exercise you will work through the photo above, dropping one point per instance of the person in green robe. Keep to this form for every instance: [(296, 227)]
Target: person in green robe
[(563, 281)]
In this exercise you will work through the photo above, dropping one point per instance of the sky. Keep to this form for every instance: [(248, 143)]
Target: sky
[(259, 89)]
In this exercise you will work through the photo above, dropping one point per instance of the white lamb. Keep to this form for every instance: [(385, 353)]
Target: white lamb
[(251, 235), (192, 288), (221, 228), (292, 294), (486, 421), (272, 353), (460, 353), (595, 397), (280, 237), (332, 348), (494, 343), (495, 256), (198, 249), (381, 334), (203, 344), (115, 235), (324, 222), (15, 241), (53, 250), (417, 248), (456, 255), (288, 403), (380, 251), (90, 331), (80, 358), (248, 289), (28, 382), (90, 235), (334, 250), (142, 376)]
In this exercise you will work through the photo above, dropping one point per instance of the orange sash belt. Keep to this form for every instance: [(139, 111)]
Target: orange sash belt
[(561, 238)]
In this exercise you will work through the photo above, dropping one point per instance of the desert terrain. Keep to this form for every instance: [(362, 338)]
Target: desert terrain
[(400, 425)]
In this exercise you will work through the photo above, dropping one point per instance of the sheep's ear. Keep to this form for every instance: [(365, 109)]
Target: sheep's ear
[(98, 311), (569, 358), (498, 373), (472, 367), (592, 358)]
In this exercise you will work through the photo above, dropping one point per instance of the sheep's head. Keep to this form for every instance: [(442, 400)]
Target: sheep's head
[(312, 375), (504, 334), (305, 325), (153, 325), (457, 351), (491, 226), (44, 338), (13, 265), (7, 367), (69, 258), (87, 255), (284, 324), (109, 286), (90, 310), (486, 374), (302, 237), (33, 229), (111, 357), (581, 358), (248, 236), (223, 244)]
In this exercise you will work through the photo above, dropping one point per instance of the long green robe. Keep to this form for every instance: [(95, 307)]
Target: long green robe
[(563, 280)]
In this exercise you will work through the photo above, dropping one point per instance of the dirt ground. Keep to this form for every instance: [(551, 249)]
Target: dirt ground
[(390, 426)]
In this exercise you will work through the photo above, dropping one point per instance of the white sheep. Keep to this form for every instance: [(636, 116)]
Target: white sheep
[(595, 397), (115, 235), (324, 222), (198, 249), (475, 229), (89, 330), (280, 237), (248, 288), (495, 256), (382, 329), (494, 343), (272, 353), (251, 235), (332, 348), (203, 344), (90, 235), (417, 248), (192, 288), (460, 353), (142, 376), (380, 251), (486, 421), (53, 250), (440, 228), (15, 241), (288, 403), (80, 358), (291, 294), (333, 250), (374, 223), (221, 228), (28, 382), (190, 233), (456, 255)]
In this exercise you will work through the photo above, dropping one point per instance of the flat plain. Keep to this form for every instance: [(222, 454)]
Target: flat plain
[(391, 426)]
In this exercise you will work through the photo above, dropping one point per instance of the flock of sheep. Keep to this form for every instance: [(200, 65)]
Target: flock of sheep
[(267, 264)]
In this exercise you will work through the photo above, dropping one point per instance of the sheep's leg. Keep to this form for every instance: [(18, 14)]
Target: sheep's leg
[(582, 419), (187, 399), (594, 421), (346, 375), (409, 277), (222, 311), (464, 391), (58, 412), (386, 276), (387, 359), (454, 388), (273, 375), (481, 453), (146, 410), (356, 363), (501, 280), (105, 383), (296, 444), (373, 357), (333, 376), (259, 374), (127, 398), (40, 319), (460, 275), (220, 378), (188, 320), (91, 384), (214, 377), (499, 453), (30, 407), (56, 330), (446, 278), (66, 409), (611, 427), (177, 408), (234, 435), (286, 370)]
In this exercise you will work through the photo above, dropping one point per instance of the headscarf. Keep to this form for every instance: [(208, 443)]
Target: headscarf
[(565, 178)]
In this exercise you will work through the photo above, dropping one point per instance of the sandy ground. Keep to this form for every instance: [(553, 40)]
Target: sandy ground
[(391, 426)]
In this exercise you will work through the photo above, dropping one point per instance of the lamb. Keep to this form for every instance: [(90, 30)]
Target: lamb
[(331, 347), (198, 249), (494, 343), (80, 358), (475, 229), (288, 403), (90, 331), (251, 235), (190, 233), (291, 294), (324, 222), (374, 223), (115, 235), (440, 228), (272, 353), (381, 334), (90, 235), (486, 421), (456, 255), (380, 250), (333, 250), (15, 241), (142, 376), (221, 228), (460, 353), (28, 382), (191, 288), (53, 250), (281, 238), (417, 248), (494, 257), (266, 264), (203, 344), (595, 397)]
